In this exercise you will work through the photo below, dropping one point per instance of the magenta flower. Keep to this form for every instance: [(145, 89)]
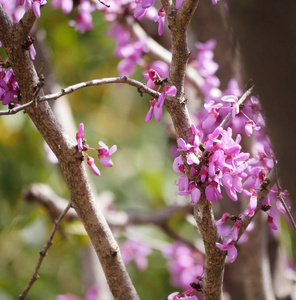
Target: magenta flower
[(213, 110), (230, 248), (156, 106), (252, 204), (250, 126), (212, 191), (80, 137), (94, 168), (270, 223), (176, 296), (66, 5), (160, 18), (104, 153), (151, 76), (136, 251), (148, 117), (147, 3), (234, 101), (36, 7), (179, 3), (32, 51)]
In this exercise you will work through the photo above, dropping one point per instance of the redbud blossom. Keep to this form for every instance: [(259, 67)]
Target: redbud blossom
[(104, 153), (230, 248), (94, 168), (234, 100), (270, 223), (179, 3), (160, 19), (80, 137)]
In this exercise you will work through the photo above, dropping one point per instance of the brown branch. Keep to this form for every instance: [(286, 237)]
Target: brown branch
[(279, 189), (43, 253), (54, 204), (142, 88), (81, 195)]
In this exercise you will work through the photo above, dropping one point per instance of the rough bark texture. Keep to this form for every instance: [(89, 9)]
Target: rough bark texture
[(214, 263), (215, 258), (83, 201)]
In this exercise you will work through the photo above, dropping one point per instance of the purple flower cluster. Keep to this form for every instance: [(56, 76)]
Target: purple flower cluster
[(135, 251), (185, 264), (220, 164), (156, 105), (35, 4), (131, 51), (103, 153), (8, 85)]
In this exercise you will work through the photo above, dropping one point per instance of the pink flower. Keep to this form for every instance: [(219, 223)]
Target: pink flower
[(147, 3), (179, 3), (212, 190), (270, 223), (32, 51), (151, 76), (156, 106), (137, 251), (234, 100), (66, 5), (252, 204), (160, 19), (80, 137), (36, 7), (104, 153), (230, 248), (94, 168)]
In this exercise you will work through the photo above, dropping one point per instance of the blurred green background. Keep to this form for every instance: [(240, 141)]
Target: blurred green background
[(141, 179)]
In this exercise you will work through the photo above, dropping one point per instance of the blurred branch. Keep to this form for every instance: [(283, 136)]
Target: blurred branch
[(43, 253), (157, 51), (54, 204), (279, 189), (142, 88)]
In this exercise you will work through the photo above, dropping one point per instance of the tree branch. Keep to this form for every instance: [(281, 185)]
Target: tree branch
[(142, 88), (43, 253), (81, 195)]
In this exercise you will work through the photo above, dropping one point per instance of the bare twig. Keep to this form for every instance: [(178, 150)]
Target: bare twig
[(279, 195), (242, 99), (43, 253), (142, 88)]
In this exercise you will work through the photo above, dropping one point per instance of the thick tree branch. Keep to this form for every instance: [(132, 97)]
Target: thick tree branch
[(73, 169), (214, 262), (54, 204)]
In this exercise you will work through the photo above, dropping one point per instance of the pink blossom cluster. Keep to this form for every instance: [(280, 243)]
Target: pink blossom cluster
[(136, 251), (8, 85), (91, 294), (103, 153), (155, 106), (128, 49), (185, 264), (32, 4)]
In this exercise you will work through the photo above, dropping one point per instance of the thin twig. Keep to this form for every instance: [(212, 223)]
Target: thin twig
[(279, 189), (242, 99), (43, 253), (142, 88)]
